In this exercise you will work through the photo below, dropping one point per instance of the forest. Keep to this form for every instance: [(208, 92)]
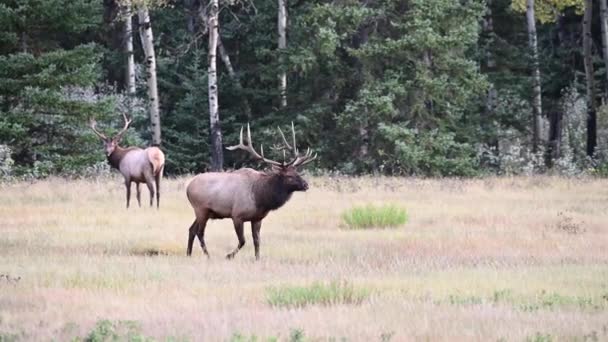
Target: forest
[(395, 87)]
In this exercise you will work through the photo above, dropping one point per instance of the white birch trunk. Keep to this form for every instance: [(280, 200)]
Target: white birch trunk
[(604, 21), (217, 156), (147, 42), (536, 90), (282, 27), (128, 37), (225, 57)]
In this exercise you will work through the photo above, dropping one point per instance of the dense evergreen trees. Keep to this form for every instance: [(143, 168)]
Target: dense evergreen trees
[(427, 87)]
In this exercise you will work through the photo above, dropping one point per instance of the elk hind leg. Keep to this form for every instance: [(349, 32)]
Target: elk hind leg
[(201, 236), (138, 194), (128, 186), (150, 184), (238, 227), (198, 229), (192, 233), (255, 232), (157, 178)]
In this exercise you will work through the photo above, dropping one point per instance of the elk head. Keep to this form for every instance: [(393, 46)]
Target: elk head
[(286, 172), (111, 143)]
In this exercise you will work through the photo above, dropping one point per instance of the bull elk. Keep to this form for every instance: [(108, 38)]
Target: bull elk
[(245, 195), (135, 164)]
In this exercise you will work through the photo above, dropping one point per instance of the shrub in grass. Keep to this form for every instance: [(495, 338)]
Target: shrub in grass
[(337, 292), (371, 216), (106, 330)]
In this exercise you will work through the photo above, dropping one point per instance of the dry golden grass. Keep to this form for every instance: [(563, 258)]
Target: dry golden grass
[(478, 260)]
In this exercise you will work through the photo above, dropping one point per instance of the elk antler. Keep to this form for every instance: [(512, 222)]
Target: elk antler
[(305, 159), (286, 145), (128, 121), (93, 125), (249, 148), (297, 160)]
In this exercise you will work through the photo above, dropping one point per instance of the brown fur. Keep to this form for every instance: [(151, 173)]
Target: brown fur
[(157, 158), (245, 195)]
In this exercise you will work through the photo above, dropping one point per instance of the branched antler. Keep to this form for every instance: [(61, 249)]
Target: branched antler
[(249, 148), (128, 121), (118, 136), (93, 125), (298, 160)]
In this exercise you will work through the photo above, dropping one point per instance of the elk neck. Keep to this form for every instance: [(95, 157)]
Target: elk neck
[(270, 193), (117, 155)]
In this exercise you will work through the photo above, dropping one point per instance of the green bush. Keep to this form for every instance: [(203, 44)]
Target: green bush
[(371, 216), (325, 294), (107, 331)]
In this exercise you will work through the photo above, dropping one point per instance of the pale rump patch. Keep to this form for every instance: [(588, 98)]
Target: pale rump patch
[(157, 158)]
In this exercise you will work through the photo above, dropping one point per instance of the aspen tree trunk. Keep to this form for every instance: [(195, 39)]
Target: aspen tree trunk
[(128, 38), (604, 21), (536, 91), (587, 53), (225, 57), (217, 156), (147, 42), (282, 25)]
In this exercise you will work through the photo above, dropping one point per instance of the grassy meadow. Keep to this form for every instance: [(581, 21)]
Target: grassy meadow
[(508, 259)]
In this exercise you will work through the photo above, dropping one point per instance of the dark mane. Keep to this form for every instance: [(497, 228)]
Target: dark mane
[(119, 153), (270, 193)]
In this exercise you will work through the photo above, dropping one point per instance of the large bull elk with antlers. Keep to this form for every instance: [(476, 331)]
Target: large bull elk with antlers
[(245, 195), (135, 164)]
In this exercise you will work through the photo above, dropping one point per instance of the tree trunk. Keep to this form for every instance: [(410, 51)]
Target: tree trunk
[(282, 25), (217, 156), (604, 21), (536, 91), (147, 42), (128, 37), (588, 59), (225, 57)]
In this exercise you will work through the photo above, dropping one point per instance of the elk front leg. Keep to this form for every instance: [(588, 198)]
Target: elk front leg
[(238, 228), (255, 232)]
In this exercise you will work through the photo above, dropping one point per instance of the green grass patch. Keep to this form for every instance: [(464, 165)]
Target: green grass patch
[(337, 292), (540, 301), (371, 216), (106, 331)]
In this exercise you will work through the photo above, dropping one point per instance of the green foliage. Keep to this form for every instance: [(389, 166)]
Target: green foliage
[(538, 337), (8, 337), (548, 10), (371, 216), (435, 152), (46, 82), (336, 292), (295, 335), (110, 331), (392, 87)]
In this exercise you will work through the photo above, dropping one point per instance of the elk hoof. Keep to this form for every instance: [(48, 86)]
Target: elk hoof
[(230, 256)]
